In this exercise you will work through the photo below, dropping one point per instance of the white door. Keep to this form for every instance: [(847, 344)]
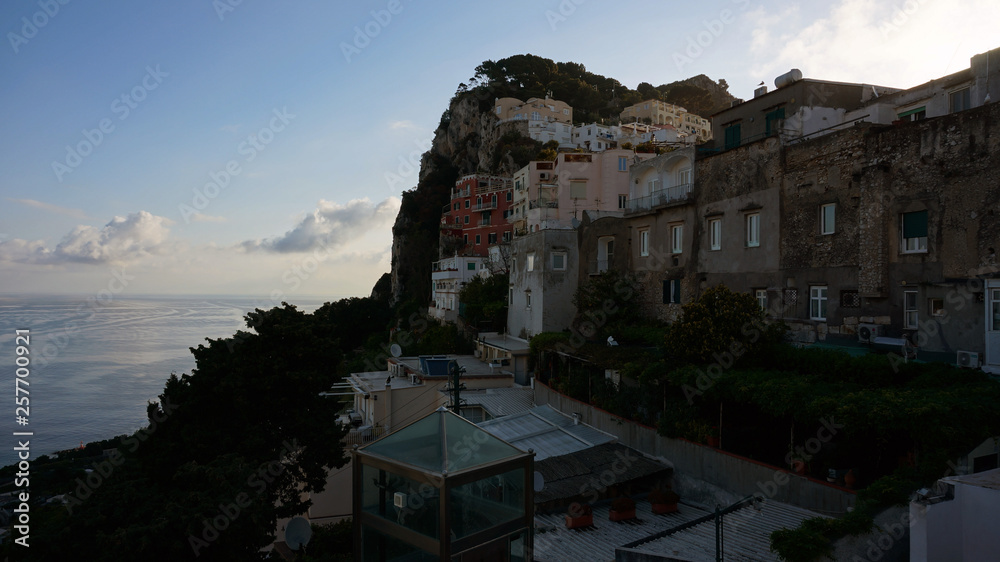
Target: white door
[(992, 359)]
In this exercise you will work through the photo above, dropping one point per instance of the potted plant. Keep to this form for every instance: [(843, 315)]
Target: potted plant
[(664, 501), (622, 509), (579, 515)]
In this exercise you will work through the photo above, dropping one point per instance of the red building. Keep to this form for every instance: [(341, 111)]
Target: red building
[(476, 218)]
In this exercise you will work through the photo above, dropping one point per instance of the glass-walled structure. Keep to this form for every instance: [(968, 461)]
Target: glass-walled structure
[(441, 488)]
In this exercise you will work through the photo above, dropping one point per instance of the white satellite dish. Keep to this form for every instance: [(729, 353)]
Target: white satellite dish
[(395, 350), (539, 481), (298, 532)]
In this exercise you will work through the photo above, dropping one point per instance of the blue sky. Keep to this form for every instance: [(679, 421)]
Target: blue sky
[(208, 148)]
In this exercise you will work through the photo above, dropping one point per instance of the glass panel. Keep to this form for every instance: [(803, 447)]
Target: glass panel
[(485, 503), (419, 508), (378, 546), (469, 446), (915, 224)]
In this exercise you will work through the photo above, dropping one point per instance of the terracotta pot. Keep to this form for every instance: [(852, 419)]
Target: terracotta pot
[(621, 515), (578, 522), (850, 479), (661, 508)]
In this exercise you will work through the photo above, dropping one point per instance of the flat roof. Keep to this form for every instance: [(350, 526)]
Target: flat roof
[(547, 431), (986, 479), (499, 402), (506, 342), (474, 367)]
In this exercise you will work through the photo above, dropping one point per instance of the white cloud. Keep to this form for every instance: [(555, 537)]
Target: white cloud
[(331, 225), (404, 124), (76, 213), (897, 44)]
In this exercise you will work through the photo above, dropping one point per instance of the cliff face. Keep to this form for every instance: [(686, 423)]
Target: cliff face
[(464, 143)]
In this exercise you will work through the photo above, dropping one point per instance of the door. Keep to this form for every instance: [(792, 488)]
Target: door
[(991, 362)]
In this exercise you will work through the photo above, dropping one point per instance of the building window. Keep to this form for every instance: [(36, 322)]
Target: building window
[(622, 164), (465, 239), (558, 261), (506, 236), (677, 238), (672, 291), (535, 116), (761, 296), (479, 239), (471, 266), (850, 299), (912, 114), (960, 100), (753, 230), (622, 201), (732, 135), (577, 189), (790, 299), (457, 206), (510, 196), (510, 295), (910, 313), (527, 300), (466, 219), (715, 234), (644, 242), (817, 302), (827, 221), (914, 232), (935, 307), (468, 203), (491, 238), (531, 262), (684, 176)]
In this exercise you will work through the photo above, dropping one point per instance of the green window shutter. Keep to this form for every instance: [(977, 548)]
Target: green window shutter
[(733, 136), (677, 291), (915, 224), (666, 292)]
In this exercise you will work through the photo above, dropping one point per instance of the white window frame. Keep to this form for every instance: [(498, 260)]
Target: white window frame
[(911, 312), (527, 300), (818, 300), (715, 234), (562, 256), (912, 245), (753, 230), (531, 262), (622, 201), (677, 239), (644, 242), (761, 296), (828, 218)]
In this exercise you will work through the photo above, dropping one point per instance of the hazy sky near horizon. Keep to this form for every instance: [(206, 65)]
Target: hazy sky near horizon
[(260, 148)]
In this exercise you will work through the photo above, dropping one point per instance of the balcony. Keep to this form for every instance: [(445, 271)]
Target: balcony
[(597, 267), (664, 196), (487, 206), (543, 204)]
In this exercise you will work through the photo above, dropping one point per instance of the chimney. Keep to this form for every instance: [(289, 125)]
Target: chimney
[(576, 418)]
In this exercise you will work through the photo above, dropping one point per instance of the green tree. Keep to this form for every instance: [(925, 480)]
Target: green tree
[(721, 322), (606, 302), (485, 300)]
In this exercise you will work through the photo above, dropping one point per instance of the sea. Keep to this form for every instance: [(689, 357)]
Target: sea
[(95, 364)]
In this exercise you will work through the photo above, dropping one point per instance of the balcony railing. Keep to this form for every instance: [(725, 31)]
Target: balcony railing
[(660, 197), (599, 266), (362, 435), (543, 204), (485, 206)]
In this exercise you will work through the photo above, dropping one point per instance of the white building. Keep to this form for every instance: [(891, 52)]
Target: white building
[(448, 276), (595, 137), (957, 519)]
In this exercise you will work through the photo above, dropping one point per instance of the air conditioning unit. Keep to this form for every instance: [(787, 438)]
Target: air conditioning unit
[(544, 176), (868, 332), (967, 359), (399, 500)]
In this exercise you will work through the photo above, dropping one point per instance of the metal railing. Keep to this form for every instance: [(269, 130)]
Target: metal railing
[(543, 204), (660, 197), (599, 266), (363, 435), (485, 206)]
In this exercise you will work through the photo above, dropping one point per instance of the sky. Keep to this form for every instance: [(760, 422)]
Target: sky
[(260, 148)]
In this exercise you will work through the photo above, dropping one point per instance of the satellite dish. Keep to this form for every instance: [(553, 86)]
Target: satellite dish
[(539, 481), (297, 533), (395, 350)]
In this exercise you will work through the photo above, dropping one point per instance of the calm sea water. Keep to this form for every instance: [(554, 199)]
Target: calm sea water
[(95, 365)]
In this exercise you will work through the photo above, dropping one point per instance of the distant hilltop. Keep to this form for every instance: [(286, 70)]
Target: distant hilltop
[(471, 139)]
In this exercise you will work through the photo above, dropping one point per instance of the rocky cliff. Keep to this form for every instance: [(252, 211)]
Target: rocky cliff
[(469, 140)]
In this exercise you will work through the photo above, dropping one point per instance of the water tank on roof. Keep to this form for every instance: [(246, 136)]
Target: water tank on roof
[(792, 76)]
